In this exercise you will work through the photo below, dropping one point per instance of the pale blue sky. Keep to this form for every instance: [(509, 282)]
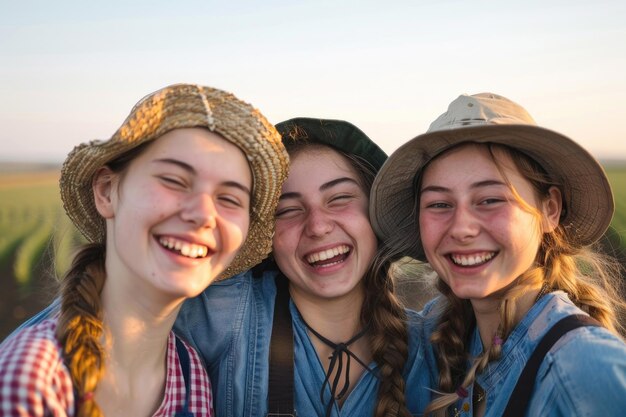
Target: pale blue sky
[(71, 70)]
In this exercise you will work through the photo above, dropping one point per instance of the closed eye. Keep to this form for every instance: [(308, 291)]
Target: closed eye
[(230, 200), (341, 198), (286, 212), (172, 181)]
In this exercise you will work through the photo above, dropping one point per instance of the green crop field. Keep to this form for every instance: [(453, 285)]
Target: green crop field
[(36, 243), (37, 240)]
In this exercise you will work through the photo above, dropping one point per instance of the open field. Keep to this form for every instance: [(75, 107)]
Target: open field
[(37, 240)]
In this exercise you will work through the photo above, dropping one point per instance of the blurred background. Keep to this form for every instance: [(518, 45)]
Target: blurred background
[(71, 71)]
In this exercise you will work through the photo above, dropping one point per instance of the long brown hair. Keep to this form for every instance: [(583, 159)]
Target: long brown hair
[(590, 278)]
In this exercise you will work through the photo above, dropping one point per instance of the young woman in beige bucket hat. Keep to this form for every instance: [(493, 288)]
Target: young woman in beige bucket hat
[(183, 193), (505, 212)]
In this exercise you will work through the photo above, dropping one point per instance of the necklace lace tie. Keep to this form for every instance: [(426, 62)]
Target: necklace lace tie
[(337, 360)]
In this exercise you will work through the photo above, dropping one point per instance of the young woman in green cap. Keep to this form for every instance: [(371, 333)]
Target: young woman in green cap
[(317, 329)]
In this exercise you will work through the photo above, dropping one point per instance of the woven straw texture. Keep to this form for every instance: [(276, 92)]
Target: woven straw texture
[(184, 106)]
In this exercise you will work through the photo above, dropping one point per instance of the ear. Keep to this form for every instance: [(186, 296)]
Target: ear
[(103, 184), (551, 208)]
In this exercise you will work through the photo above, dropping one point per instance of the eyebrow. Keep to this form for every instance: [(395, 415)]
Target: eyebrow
[(479, 184), (323, 187), (178, 163), (185, 166)]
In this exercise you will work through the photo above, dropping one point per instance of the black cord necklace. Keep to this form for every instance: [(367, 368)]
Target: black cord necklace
[(336, 360)]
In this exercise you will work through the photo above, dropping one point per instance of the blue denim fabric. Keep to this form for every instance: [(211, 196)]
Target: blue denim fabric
[(230, 325), (584, 374)]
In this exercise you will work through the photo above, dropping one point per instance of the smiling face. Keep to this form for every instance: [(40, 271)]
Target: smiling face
[(324, 242), (177, 214), (476, 233)]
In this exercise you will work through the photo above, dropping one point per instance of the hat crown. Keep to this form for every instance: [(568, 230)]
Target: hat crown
[(479, 110)]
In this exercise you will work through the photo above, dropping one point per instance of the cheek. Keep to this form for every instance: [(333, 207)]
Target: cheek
[(234, 231), (427, 232), (279, 244), (522, 230)]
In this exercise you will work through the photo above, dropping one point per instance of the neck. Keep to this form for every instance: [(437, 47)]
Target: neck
[(137, 328), (337, 319)]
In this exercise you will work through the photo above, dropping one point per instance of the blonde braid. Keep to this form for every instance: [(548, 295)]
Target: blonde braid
[(80, 328), (591, 279)]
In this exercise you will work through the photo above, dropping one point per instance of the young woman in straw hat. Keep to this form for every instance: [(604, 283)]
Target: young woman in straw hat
[(505, 213), (316, 330), (182, 194)]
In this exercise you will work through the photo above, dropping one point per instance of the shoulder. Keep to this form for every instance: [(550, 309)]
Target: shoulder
[(33, 374), (588, 366), (596, 345), (34, 346)]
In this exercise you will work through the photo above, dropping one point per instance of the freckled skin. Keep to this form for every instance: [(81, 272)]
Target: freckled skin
[(159, 198), (462, 218), (320, 218)]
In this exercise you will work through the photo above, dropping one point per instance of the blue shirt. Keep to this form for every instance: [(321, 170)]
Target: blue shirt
[(584, 374), (230, 325)]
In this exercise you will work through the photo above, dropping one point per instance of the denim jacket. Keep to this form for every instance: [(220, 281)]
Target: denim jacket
[(230, 324), (584, 374)]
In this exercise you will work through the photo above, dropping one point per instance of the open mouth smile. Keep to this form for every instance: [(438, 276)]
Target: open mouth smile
[(472, 260), (181, 247), (329, 257)]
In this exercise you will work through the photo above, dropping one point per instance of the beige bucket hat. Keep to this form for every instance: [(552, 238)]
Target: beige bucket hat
[(183, 106), (489, 118)]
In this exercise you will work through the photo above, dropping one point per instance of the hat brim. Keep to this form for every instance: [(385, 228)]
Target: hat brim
[(587, 195), (182, 106)]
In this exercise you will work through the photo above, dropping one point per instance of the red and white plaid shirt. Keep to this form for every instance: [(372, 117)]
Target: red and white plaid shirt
[(35, 382)]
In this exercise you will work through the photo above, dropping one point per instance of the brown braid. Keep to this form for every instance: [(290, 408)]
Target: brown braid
[(80, 328), (388, 337)]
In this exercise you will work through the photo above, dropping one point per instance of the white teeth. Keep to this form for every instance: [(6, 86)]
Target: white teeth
[(190, 250), (327, 254), (472, 260)]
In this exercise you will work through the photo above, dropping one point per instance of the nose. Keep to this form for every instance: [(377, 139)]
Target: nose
[(201, 211), (464, 225), (318, 223)]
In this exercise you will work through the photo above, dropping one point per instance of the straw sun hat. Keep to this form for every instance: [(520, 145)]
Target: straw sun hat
[(489, 118), (184, 106)]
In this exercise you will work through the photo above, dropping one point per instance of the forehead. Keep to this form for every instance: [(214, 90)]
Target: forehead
[(202, 149), (316, 166), (470, 162)]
